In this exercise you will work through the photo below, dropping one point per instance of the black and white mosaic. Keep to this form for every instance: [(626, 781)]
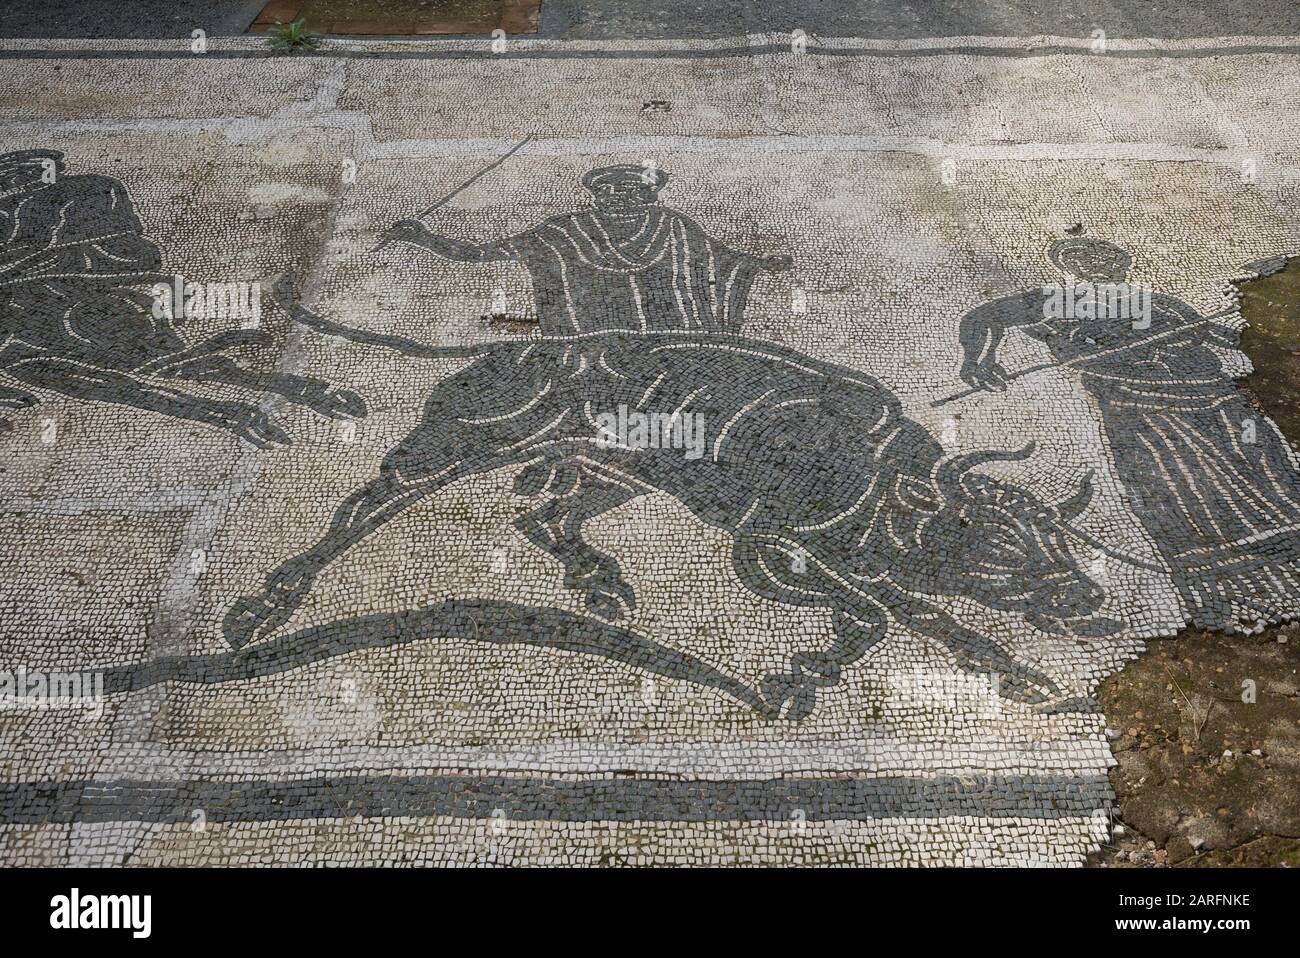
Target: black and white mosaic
[(832, 497), (81, 322), (1212, 480), (663, 492)]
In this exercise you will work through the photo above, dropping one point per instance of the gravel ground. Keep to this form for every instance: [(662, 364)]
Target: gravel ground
[(134, 19), (693, 18)]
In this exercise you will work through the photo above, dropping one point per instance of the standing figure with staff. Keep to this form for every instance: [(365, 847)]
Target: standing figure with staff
[(1209, 477)]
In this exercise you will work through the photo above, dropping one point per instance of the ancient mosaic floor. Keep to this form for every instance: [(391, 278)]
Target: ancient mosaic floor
[(700, 483)]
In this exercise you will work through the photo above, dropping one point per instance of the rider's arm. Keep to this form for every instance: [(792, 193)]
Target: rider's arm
[(458, 250), (773, 264), (415, 233), (981, 331), (1174, 312)]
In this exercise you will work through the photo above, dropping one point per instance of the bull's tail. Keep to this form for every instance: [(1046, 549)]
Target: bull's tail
[(476, 619), (285, 296)]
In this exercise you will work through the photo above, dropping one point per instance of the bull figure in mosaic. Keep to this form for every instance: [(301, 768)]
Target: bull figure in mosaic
[(834, 499), (640, 382), (80, 291)]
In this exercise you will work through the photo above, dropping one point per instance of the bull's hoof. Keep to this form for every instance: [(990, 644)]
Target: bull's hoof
[(252, 617), (256, 429), (789, 696), (1028, 687), (605, 593), (611, 600), (16, 400), (1065, 704), (338, 403)]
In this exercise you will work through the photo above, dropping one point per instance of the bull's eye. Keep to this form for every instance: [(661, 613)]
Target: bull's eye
[(996, 537)]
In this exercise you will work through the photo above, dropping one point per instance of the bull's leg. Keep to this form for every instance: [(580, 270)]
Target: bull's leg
[(203, 364), (360, 514), (786, 571), (105, 385), (556, 527), (858, 627), (315, 394), (975, 653), (219, 343), (487, 416), (14, 399)]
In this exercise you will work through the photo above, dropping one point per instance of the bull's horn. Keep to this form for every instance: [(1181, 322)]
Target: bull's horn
[(1073, 507), (950, 472)]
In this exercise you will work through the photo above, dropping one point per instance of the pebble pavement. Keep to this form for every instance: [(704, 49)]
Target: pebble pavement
[(642, 501)]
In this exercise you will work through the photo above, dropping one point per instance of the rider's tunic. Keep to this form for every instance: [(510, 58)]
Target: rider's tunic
[(665, 274)]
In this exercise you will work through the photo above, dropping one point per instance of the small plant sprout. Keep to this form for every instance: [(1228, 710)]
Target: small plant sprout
[(292, 37)]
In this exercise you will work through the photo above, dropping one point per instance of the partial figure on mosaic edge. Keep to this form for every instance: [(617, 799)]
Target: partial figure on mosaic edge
[(79, 312)]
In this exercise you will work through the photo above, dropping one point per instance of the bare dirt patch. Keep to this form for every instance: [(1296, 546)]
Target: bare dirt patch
[(1206, 727), (402, 17)]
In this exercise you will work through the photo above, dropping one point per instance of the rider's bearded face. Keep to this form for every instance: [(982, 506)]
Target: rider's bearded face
[(623, 196), (1097, 265)]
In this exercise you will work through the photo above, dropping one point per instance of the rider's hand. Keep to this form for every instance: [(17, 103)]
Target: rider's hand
[(404, 230), (986, 375)]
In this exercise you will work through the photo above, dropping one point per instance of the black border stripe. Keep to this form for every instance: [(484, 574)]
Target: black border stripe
[(436, 53), (550, 799)]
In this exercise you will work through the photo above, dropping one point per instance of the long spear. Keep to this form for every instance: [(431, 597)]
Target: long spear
[(284, 291), (464, 186), (1079, 359), (476, 177)]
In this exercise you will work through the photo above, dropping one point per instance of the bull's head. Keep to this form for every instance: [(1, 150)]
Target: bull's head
[(1005, 548)]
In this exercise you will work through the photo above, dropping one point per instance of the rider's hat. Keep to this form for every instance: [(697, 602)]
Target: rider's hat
[(625, 173), (1073, 251)]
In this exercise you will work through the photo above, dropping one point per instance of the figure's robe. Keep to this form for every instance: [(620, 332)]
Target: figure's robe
[(1207, 474), (74, 267), (669, 275)]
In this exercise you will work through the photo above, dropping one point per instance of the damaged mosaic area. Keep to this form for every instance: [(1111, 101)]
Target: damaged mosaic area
[(705, 476)]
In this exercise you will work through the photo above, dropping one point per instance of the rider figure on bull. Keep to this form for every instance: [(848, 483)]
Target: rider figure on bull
[(628, 263)]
